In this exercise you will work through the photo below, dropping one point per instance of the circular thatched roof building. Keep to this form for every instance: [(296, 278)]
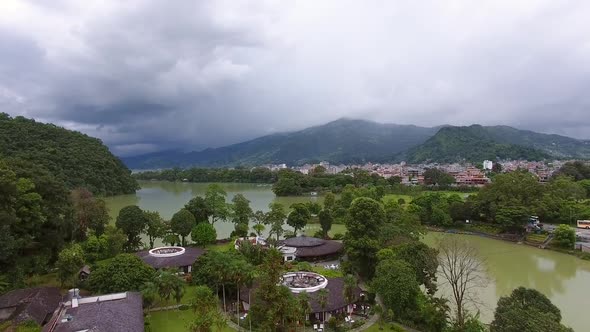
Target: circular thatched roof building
[(311, 248)]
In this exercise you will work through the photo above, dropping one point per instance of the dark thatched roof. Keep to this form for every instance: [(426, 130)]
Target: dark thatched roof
[(303, 241), (308, 247), (190, 255), (114, 315), (36, 304), (336, 298)]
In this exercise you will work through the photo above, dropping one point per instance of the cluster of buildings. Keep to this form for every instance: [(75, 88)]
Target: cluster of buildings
[(465, 174), (56, 312)]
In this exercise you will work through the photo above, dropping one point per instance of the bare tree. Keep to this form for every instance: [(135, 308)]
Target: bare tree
[(463, 269)]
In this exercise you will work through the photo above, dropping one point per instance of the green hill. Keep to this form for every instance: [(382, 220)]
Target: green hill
[(341, 141), (72, 157), (477, 143)]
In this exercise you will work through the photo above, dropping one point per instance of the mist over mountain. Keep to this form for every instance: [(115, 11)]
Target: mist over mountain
[(350, 141)]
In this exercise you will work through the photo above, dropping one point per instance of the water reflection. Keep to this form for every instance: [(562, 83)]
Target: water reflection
[(561, 277)]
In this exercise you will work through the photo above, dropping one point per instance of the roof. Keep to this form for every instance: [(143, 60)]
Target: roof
[(313, 247), (303, 241), (31, 303), (190, 255), (117, 314), (336, 298), (85, 269)]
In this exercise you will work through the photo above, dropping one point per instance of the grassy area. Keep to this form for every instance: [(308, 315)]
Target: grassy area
[(486, 229), (221, 246), (189, 293), (173, 321), (311, 229), (396, 197), (44, 280), (387, 327), (536, 238)]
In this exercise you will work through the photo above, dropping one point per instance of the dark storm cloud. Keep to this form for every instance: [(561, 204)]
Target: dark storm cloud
[(150, 75)]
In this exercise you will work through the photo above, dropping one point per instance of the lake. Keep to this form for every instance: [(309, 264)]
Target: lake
[(564, 279), (169, 197)]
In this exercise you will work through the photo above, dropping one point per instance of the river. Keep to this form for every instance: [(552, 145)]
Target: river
[(564, 279)]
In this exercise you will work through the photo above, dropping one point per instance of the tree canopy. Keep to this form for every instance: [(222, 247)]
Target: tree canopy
[(125, 272)]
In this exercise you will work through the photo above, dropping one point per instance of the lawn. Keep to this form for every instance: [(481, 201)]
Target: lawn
[(173, 321), (189, 293), (536, 238), (221, 246), (387, 327), (396, 197), (311, 229)]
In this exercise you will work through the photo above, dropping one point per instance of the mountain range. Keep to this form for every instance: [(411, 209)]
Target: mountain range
[(348, 141)]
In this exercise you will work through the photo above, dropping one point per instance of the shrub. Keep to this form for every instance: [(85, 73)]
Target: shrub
[(338, 236)]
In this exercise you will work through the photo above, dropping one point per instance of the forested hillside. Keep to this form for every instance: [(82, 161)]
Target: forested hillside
[(476, 143), (342, 141), (71, 157)]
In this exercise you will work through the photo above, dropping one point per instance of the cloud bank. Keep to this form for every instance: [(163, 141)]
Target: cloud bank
[(150, 75)]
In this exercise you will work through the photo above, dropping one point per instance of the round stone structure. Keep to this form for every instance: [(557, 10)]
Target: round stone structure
[(167, 251), (308, 282)]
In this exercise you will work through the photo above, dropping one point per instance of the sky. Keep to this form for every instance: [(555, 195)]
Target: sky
[(145, 76)]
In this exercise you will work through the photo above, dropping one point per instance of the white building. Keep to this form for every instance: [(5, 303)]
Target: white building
[(488, 165)]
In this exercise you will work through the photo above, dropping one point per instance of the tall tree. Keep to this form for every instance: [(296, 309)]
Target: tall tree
[(156, 228), (207, 315), (527, 310), (89, 213), (241, 212), (395, 281), (361, 242), (424, 261), (276, 218), (326, 220), (182, 223), (169, 284), (323, 296), (330, 201), (259, 220), (132, 221), (305, 306), (298, 217), (199, 208), (215, 199), (462, 268), (69, 263)]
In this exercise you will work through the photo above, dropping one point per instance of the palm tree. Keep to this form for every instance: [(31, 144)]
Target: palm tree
[(168, 282), (323, 301), (149, 292), (303, 300), (349, 289)]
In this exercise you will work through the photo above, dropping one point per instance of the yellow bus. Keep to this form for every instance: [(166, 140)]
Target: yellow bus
[(584, 224)]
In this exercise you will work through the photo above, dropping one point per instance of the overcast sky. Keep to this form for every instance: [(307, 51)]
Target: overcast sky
[(151, 75)]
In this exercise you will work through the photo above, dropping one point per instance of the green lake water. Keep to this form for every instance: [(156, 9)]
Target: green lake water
[(564, 279)]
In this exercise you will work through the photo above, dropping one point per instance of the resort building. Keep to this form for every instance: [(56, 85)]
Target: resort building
[(171, 257), (311, 283), (112, 312), (310, 248), (36, 304)]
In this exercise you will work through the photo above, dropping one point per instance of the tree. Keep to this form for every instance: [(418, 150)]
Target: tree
[(259, 220), (204, 234), (169, 284), (298, 217), (565, 236), (156, 229), (361, 242), (276, 218), (69, 262), (434, 176), (323, 296), (527, 310), (349, 291), (149, 293), (182, 223), (115, 241), (215, 199), (462, 268), (395, 282), (199, 208), (241, 212), (326, 220), (286, 187), (330, 202), (89, 213), (132, 221), (207, 315), (125, 272), (304, 305), (423, 260)]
